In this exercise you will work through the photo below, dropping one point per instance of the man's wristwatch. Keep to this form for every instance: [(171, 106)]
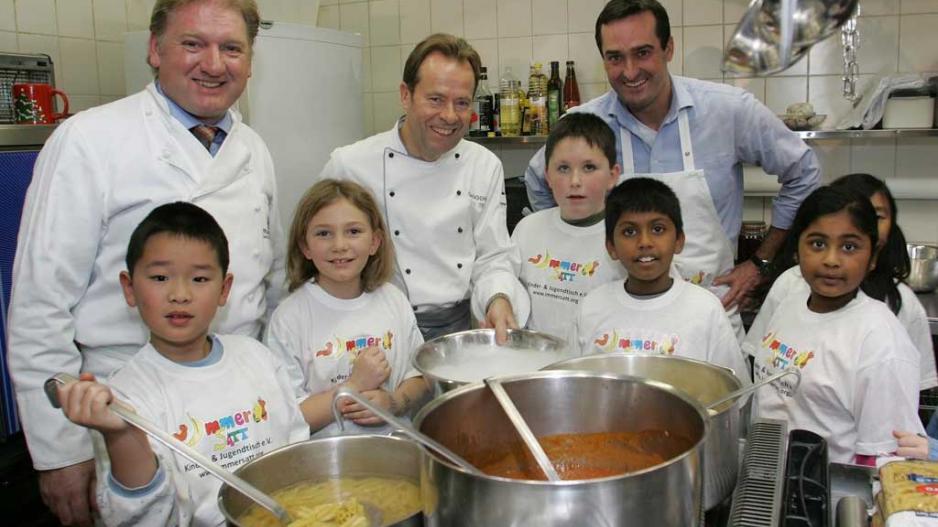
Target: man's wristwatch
[(761, 264)]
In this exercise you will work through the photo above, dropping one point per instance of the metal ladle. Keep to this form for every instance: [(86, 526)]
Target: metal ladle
[(711, 408), (544, 462), (400, 425), (133, 418)]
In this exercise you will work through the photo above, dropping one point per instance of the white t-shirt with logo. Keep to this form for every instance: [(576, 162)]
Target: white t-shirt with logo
[(859, 374), (560, 264), (319, 337), (231, 411), (686, 320), (911, 314)]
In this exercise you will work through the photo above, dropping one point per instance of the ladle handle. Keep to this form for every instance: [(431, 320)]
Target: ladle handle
[(547, 467), (755, 386), (133, 418), (399, 425)]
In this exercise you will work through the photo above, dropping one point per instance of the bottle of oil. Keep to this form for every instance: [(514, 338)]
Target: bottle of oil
[(554, 94), (571, 91), (509, 104), (482, 105), (537, 101)]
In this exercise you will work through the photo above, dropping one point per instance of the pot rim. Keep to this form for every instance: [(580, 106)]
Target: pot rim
[(570, 364), (508, 379), (299, 444), (430, 344)]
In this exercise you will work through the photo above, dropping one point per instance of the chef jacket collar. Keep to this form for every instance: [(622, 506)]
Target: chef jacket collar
[(397, 145), (680, 99), (188, 120)]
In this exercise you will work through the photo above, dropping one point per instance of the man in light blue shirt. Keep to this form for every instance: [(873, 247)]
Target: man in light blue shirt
[(723, 127)]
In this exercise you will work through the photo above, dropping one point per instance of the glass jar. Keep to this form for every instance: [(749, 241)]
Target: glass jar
[(750, 238)]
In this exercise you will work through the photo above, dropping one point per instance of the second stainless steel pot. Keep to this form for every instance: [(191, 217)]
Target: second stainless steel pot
[(704, 382), (469, 419)]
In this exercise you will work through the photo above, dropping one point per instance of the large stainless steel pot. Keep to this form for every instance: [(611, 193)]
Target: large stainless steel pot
[(457, 348), (469, 419), (321, 459), (923, 277), (704, 382)]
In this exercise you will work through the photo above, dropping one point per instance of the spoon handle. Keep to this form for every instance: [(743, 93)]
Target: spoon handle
[(755, 386), (133, 418), (522, 427)]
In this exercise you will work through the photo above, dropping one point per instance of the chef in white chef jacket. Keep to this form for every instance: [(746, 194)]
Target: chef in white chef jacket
[(97, 176), (443, 198)]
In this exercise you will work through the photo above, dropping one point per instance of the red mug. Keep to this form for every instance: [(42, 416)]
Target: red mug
[(32, 104)]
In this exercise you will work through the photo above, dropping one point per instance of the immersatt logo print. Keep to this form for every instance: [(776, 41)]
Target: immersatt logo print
[(563, 270), (628, 341), (340, 346), (227, 431)]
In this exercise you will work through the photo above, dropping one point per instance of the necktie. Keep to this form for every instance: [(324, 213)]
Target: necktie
[(205, 134)]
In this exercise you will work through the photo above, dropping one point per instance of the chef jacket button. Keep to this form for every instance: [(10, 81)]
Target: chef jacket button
[(459, 193), (415, 308), (390, 154), (459, 266), (397, 233), (391, 193), (686, 154), (457, 155), (250, 297), (459, 229), (407, 271)]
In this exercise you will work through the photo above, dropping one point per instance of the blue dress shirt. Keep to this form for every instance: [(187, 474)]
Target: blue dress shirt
[(728, 127), (189, 121)]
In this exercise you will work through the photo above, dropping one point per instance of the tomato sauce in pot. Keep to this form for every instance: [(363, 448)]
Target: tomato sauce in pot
[(584, 456)]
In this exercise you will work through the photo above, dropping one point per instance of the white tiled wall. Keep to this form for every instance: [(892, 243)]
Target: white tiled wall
[(897, 36)]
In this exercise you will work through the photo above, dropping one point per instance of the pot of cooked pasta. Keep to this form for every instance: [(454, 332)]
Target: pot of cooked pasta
[(706, 383), (345, 481), (628, 452)]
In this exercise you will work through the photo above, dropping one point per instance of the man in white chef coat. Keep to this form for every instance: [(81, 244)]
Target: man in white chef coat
[(99, 174), (443, 198), (694, 135)]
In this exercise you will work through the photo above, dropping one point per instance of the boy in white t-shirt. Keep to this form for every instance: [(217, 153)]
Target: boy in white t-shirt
[(227, 396), (561, 249), (651, 311)]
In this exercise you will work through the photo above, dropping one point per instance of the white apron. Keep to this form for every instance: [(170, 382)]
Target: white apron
[(707, 250)]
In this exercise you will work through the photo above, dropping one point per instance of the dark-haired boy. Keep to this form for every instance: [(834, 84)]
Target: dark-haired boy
[(561, 249), (651, 311), (224, 395)]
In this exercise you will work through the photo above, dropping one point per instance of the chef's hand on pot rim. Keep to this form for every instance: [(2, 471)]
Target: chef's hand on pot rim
[(500, 316), (742, 279), (911, 445), (360, 415), (70, 493)]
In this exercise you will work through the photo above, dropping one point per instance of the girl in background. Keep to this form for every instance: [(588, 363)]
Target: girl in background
[(885, 282), (343, 323), (851, 350)]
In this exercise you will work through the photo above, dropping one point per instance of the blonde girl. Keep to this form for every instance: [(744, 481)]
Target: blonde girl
[(343, 322)]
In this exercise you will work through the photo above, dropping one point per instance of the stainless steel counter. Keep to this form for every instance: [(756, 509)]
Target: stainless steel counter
[(930, 301)]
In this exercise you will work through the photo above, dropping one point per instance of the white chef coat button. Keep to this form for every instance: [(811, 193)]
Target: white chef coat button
[(459, 193), (459, 266), (415, 308), (406, 271), (459, 230), (391, 193), (390, 154), (397, 233), (686, 154), (457, 155)]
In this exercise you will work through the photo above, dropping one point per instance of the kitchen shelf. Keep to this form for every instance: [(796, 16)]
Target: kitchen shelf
[(808, 135), (19, 135)]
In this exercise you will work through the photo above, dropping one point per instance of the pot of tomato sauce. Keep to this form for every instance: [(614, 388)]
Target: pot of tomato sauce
[(705, 383), (628, 451)]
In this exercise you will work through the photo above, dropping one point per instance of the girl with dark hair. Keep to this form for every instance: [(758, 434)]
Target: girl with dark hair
[(885, 282), (849, 348)]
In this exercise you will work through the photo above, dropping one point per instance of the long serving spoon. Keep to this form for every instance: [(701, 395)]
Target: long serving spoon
[(711, 408), (133, 418), (402, 426), (522, 427)]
